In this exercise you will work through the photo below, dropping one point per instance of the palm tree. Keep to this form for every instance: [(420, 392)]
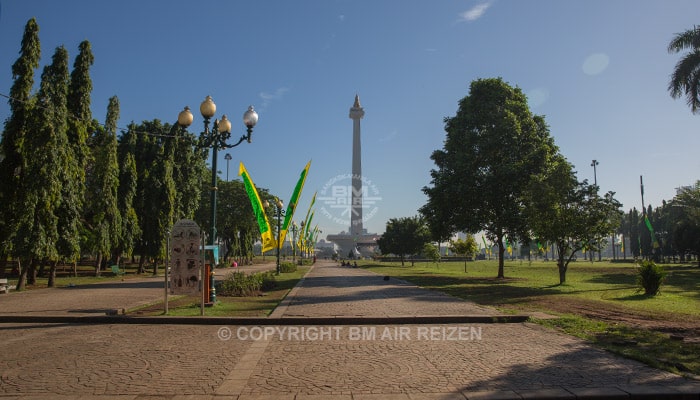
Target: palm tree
[(686, 76)]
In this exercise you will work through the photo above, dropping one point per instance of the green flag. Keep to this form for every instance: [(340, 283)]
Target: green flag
[(651, 231), (268, 241), (293, 203)]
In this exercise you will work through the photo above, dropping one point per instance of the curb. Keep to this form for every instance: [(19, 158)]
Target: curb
[(411, 320)]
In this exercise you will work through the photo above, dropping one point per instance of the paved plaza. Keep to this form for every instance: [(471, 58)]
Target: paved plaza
[(152, 360)]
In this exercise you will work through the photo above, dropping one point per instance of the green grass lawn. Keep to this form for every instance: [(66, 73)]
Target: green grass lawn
[(600, 302), (602, 282)]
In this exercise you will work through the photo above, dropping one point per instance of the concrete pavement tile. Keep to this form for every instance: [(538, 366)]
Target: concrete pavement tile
[(599, 393), (651, 392), (492, 395), (436, 396), (552, 394)]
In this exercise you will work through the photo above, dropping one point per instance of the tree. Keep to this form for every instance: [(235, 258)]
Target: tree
[(493, 144), (466, 247), (13, 164), (155, 199), (46, 153), (567, 213), (431, 252), (685, 79), (102, 211), (634, 233), (79, 123), (236, 221), (130, 231), (404, 236), (686, 230)]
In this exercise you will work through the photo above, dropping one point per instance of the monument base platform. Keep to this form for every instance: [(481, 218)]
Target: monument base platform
[(352, 246)]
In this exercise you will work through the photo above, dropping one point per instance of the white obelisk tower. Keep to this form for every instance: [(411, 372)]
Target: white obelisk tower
[(356, 114)]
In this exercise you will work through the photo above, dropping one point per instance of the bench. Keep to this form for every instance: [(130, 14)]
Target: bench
[(4, 287), (116, 271)]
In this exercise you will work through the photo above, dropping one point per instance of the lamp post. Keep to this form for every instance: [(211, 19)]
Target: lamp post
[(216, 138), (227, 157), (280, 213), (594, 163), (295, 228), (302, 253)]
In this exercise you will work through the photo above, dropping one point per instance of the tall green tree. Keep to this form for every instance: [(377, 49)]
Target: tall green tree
[(686, 229), (130, 231), (189, 167), (46, 152), (567, 213), (155, 200), (404, 236), (79, 120), (13, 164), (101, 207), (635, 245), (685, 80), (493, 145)]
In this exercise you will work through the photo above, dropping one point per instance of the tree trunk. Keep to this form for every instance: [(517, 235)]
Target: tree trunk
[(465, 264), (75, 269), (21, 281), (155, 266), (142, 262), (401, 260), (52, 273), (501, 254), (562, 271), (31, 273), (98, 264), (561, 264)]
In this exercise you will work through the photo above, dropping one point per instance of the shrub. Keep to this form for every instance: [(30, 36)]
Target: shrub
[(288, 267), (268, 281), (650, 277), (241, 285)]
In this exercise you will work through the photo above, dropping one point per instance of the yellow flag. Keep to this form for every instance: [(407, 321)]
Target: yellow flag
[(268, 241)]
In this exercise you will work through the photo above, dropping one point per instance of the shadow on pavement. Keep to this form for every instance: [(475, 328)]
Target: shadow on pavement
[(151, 284)]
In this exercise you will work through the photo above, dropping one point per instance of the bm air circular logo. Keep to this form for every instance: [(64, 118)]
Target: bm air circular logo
[(336, 199)]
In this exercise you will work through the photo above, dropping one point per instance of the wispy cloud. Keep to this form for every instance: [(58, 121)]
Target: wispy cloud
[(475, 12), (268, 98)]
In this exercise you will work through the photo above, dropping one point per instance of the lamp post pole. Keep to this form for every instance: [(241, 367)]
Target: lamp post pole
[(594, 163), (216, 139), (280, 213), (294, 242), (227, 157)]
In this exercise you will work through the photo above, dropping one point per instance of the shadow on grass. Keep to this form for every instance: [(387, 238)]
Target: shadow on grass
[(634, 297), (487, 291), (614, 279)]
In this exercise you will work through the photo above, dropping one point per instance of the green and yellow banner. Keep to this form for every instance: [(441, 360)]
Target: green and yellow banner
[(268, 240), (293, 203), (305, 226)]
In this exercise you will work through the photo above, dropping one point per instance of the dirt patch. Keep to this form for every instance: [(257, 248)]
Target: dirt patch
[(685, 327)]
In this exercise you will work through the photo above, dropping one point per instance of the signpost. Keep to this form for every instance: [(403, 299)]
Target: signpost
[(185, 260)]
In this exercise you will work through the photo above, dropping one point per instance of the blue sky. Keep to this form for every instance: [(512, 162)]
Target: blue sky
[(597, 69)]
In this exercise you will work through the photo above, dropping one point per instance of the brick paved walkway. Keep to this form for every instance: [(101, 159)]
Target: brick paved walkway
[(456, 361)]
